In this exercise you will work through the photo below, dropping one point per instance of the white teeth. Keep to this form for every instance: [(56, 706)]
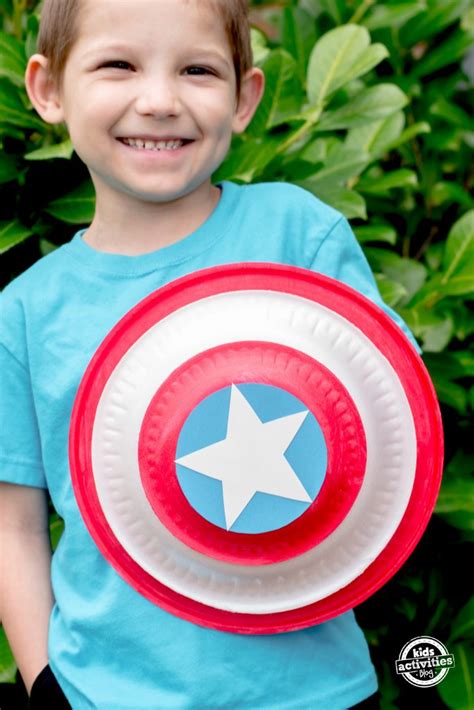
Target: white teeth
[(153, 145)]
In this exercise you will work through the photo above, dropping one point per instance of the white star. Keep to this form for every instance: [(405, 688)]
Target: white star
[(250, 458)]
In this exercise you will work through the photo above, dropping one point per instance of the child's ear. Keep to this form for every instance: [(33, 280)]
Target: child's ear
[(251, 91), (42, 91)]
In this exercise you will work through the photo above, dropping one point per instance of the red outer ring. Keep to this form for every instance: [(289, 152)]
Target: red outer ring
[(384, 334), (321, 392)]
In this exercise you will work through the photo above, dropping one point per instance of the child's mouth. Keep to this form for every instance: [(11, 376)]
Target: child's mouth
[(160, 145)]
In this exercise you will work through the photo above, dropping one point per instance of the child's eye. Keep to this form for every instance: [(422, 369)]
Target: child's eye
[(198, 71), (116, 64)]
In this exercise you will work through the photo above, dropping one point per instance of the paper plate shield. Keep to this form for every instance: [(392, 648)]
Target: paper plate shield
[(256, 448)]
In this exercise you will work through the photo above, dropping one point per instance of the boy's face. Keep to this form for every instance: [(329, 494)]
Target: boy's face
[(156, 72)]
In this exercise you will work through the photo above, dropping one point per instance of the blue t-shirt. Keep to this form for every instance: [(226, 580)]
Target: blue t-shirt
[(109, 647)]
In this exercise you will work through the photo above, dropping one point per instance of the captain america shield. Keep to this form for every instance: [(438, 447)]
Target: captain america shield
[(256, 448)]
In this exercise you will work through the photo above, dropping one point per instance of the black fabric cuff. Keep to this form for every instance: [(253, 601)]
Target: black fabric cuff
[(46, 692), (372, 703)]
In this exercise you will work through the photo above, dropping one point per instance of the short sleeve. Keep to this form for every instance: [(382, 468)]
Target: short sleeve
[(20, 451), (339, 255)]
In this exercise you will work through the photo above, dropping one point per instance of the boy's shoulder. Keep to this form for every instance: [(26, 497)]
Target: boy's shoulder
[(35, 274), (28, 303), (291, 221), (284, 196), (32, 285)]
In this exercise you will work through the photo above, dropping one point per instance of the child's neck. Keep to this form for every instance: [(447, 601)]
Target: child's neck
[(125, 226)]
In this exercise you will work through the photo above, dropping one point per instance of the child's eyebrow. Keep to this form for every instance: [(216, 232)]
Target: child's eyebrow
[(101, 48), (206, 52)]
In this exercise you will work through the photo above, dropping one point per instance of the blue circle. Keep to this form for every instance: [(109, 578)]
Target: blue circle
[(306, 454)]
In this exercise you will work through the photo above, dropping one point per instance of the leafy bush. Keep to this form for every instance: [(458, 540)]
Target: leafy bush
[(366, 106)]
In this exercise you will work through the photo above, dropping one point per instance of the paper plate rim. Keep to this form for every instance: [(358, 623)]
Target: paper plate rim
[(371, 320)]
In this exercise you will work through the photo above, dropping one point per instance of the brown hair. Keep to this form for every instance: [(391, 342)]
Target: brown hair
[(57, 33), (59, 25)]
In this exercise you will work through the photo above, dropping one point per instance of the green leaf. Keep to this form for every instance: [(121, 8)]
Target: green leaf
[(260, 50), (369, 105), (388, 181), (7, 662), (462, 464), (376, 233), (434, 290), (342, 165), (375, 137), (467, 20), (462, 521), (407, 607), (8, 129), (434, 256), (437, 337), (341, 55), (452, 113), (392, 15), (408, 134), (435, 332), (407, 272), (458, 264), (11, 234), (77, 207), (448, 52), (465, 359), (444, 191), (461, 284), (439, 14), (282, 96), (455, 495), (391, 291), (298, 37), (463, 318), (318, 150), (457, 689), (12, 59), (451, 365), (463, 625), (445, 139), (451, 394), (8, 168), (298, 170), (389, 689), (246, 161), (31, 40), (459, 253), (12, 109), (56, 529), (336, 9), (50, 152), (46, 247)]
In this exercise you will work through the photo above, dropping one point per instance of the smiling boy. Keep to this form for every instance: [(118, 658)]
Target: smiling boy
[(168, 82), (151, 92)]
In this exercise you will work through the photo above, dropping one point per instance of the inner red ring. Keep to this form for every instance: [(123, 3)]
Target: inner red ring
[(265, 363)]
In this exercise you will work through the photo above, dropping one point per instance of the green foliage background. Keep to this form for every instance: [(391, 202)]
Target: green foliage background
[(367, 105)]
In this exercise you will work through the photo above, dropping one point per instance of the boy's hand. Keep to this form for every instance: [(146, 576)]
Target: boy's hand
[(26, 597)]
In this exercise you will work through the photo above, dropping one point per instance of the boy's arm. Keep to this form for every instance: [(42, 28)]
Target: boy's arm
[(26, 597)]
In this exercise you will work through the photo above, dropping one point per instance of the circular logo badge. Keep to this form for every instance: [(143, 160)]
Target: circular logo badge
[(256, 448), (424, 661)]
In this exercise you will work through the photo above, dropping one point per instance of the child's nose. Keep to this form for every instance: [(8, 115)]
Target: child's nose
[(158, 97)]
